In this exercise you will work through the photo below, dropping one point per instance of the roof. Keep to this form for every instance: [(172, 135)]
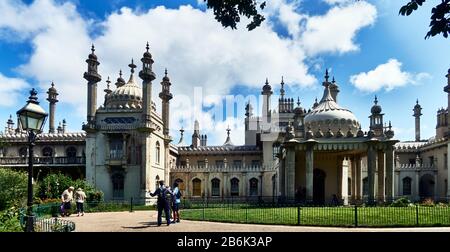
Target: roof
[(186, 150), (45, 137)]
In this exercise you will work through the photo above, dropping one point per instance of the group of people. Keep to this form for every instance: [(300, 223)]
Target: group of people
[(66, 201), (168, 199)]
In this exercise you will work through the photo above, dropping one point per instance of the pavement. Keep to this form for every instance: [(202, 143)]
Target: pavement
[(145, 221)]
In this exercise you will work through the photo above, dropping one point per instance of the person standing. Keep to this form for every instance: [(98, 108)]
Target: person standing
[(80, 197), (66, 198), (176, 202), (164, 194)]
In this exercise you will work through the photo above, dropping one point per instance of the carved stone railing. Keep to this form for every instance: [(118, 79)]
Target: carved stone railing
[(42, 160), (224, 168), (416, 167)]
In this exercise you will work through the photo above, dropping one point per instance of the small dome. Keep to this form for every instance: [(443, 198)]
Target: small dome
[(267, 88), (376, 109)]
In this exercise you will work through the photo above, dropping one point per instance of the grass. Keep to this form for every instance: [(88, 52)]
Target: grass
[(326, 216)]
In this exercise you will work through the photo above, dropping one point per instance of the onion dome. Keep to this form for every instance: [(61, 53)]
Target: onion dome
[(147, 54), (128, 96), (329, 114), (376, 109), (370, 134), (360, 133), (298, 110), (267, 89), (166, 78), (315, 103), (120, 81), (390, 132), (92, 56)]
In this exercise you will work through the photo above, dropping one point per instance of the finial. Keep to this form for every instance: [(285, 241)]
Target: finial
[(333, 81), (107, 83), (132, 66), (33, 96), (228, 130), (326, 75), (376, 100), (298, 101), (267, 81), (53, 84), (120, 73), (417, 101), (165, 72), (390, 126), (147, 47), (282, 81), (93, 48)]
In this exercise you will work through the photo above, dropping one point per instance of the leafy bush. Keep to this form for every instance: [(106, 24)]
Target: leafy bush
[(13, 186), (401, 202), (9, 220), (427, 202)]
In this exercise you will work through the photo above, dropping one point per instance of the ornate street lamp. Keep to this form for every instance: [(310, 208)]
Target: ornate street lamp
[(31, 118)]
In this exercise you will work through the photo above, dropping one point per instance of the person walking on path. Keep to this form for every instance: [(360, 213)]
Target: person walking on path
[(80, 197), (164, 195), (66, 199), (176, 202)]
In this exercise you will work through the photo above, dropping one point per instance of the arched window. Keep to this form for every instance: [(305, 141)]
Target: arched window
[(406, 186), (71, 154), (156, 182), (196, 187), (253, 187), (157, 153), (215, 187), (180, 184), (234, 187), (366, 186), (118, 185), (47, 152), (23, 152)]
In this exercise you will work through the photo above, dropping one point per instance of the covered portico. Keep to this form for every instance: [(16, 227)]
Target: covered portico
[(319, 168)]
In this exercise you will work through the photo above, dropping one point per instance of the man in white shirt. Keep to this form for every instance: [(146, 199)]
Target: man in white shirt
[(66, 199)]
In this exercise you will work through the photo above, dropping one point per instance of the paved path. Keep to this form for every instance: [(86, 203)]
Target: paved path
[(145, 221)]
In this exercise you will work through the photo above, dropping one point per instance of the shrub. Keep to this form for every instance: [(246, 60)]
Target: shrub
[(13, 186), (9, 220), (427, 202), (401, 202)]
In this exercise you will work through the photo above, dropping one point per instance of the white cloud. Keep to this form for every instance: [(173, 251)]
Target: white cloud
[(10, 89), (335, 31), (388, 76), (331, 2)]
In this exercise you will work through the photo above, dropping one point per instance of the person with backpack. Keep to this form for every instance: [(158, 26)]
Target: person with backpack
[(164, 195), (176, 202)]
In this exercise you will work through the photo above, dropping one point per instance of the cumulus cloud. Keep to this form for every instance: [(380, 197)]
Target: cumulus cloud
[(337, 1), (335, 31), (386, 76), (10, 89)]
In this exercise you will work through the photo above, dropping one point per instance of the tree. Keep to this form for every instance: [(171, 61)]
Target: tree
[(228, 12), (440, 16)]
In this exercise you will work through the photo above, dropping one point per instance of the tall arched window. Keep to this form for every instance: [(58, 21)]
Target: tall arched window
[(215, 187), (196, 187), (47, 152), (253, 187), (406, 186), (156, 182), (23, 152), (234, 187), (366, 186), (71, 154), (118, 185), (157, 153)]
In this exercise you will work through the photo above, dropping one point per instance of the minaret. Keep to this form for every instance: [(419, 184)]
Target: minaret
[(376, 118), (266, 92), (417, 113), (52, 99), (64, 124), (165, 96), (120, 81), (107, 91), (147, 75), (93, 78), (9, 125), (196, 135)]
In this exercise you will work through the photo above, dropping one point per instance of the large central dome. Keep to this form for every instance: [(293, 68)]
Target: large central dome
[(328, 115), (128, 96)]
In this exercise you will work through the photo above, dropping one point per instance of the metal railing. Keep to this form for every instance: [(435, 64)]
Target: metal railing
[(285, 213)]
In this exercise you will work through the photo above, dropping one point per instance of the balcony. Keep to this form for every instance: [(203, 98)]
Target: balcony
[(42, 161), (224, 168), (115, 155)]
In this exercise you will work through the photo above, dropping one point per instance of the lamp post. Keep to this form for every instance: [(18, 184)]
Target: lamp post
[(31, 118)]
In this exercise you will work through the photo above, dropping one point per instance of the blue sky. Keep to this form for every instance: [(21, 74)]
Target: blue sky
[(370, 49)]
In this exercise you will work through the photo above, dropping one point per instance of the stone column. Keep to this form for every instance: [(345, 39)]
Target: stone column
[(309, 171), (435, 186), (290, 173), (380, 191), (358, 178), (416, 195), (390, 194), (344, 181), (371, 165), (353, 171), (282, 178)]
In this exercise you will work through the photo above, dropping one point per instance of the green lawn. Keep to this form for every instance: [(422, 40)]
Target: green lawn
[(326, 216)]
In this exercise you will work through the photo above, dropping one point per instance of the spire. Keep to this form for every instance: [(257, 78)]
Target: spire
[(333, 81), (267, 89), (376, 109), (326, 75), (327, 94), (120, 81), (282, 92), (248, 110), (298, 101), (228, 141), (132, 66), (108, 90), (181, 142)]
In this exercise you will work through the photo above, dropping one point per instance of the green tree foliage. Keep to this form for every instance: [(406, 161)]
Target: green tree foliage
[(228, 12), (440, 16), (13, 188)]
